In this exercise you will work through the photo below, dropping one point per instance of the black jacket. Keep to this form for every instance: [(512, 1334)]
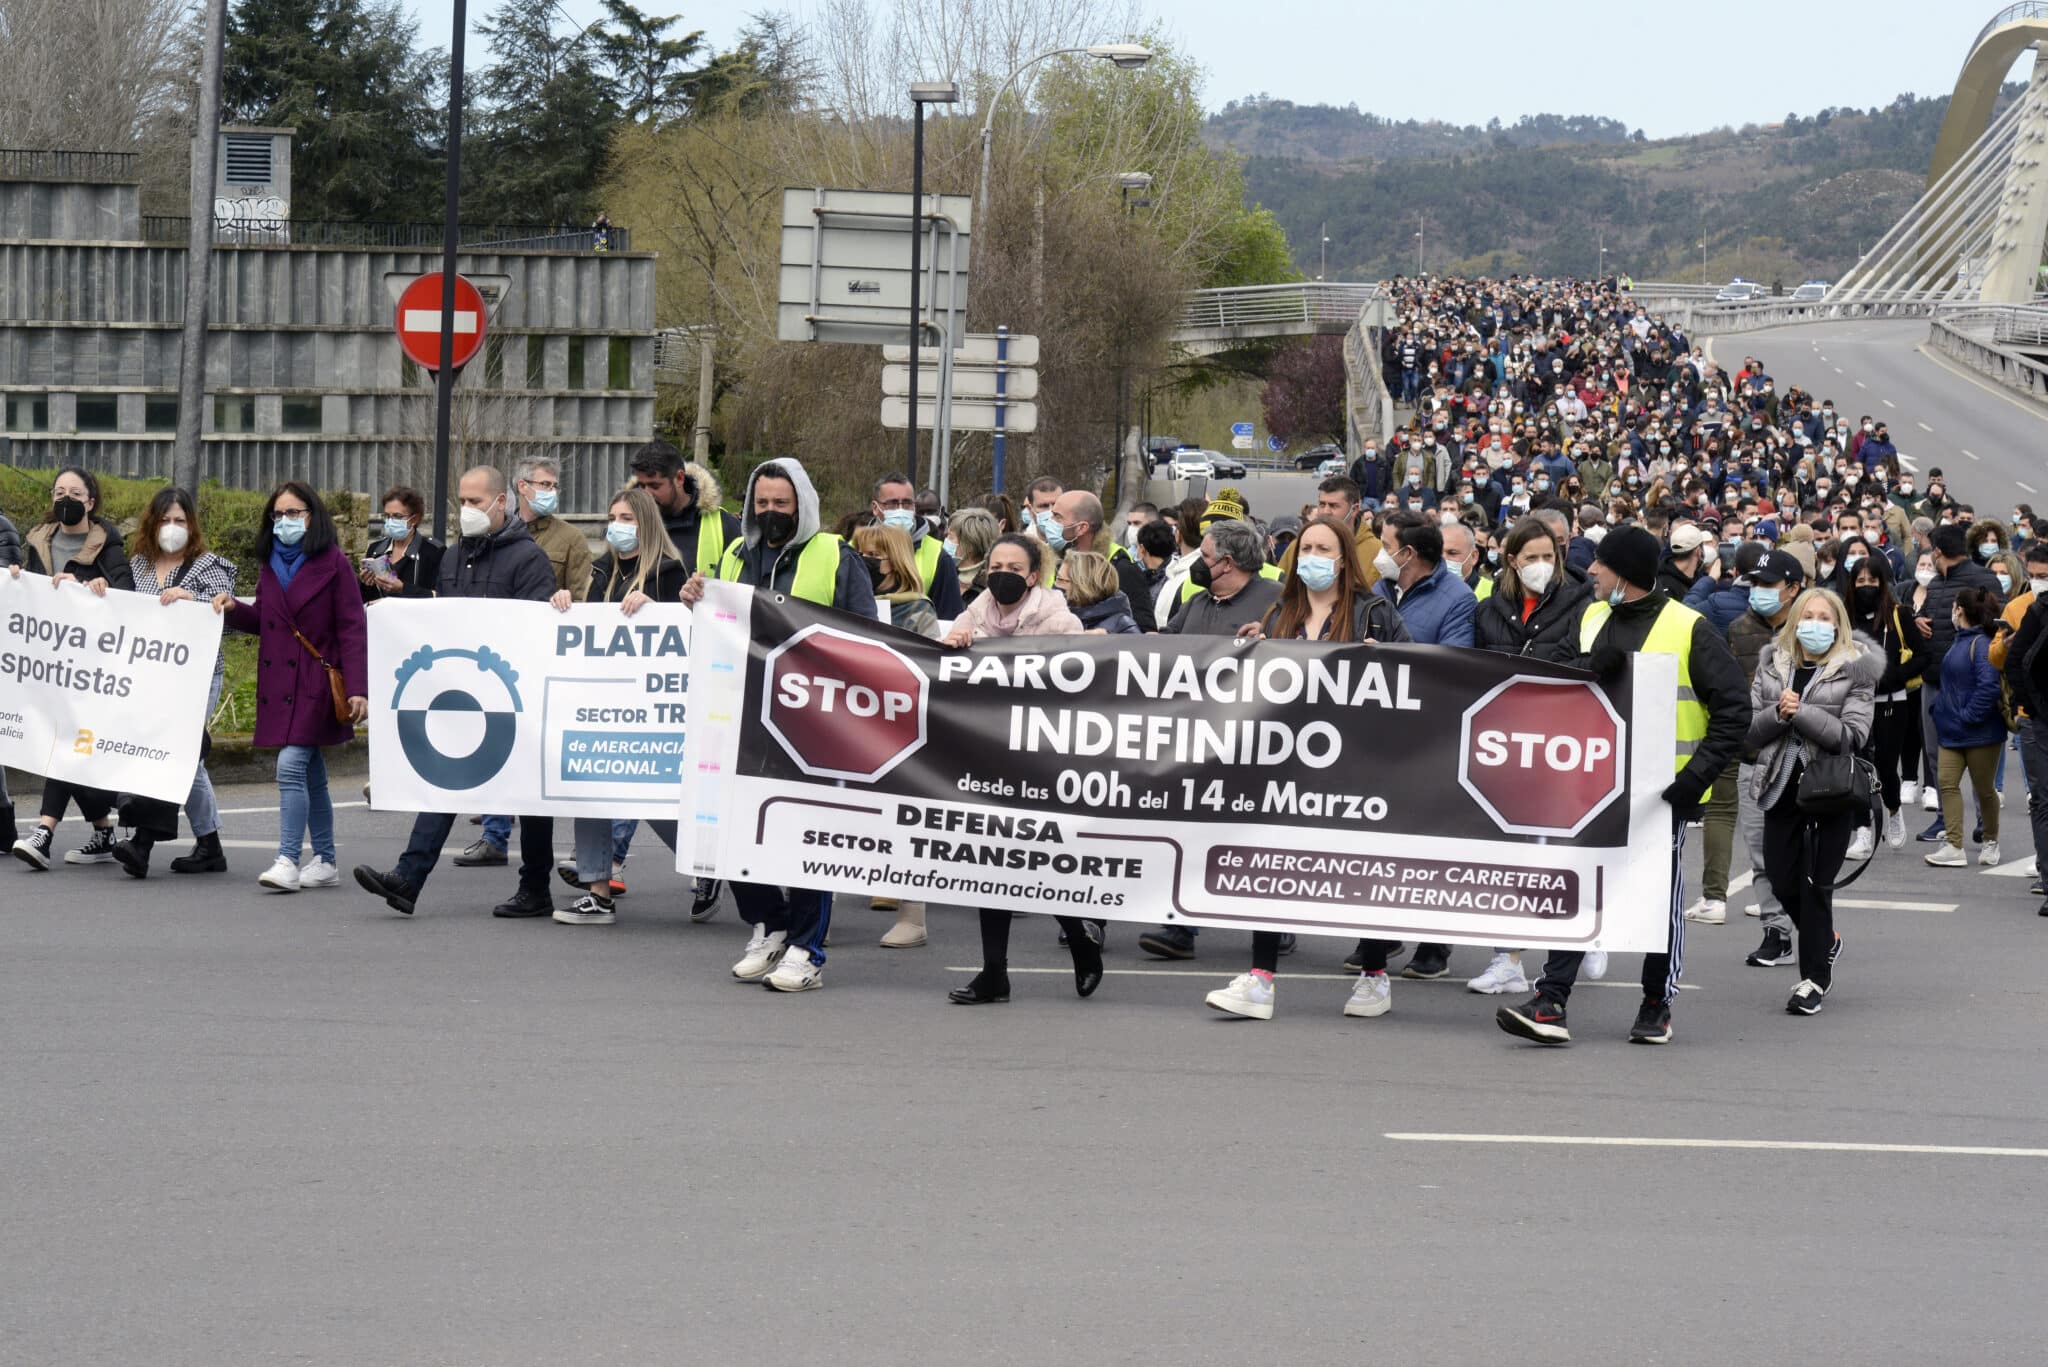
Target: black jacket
[(1673, 580), (1885, 629), (2026, 663), (10, 544), (663, 584), (1373, 618), (510, 564), (1552, 631), (1940, 609), (1716, 680), (1112, 616), (417, 571), (103, 556)]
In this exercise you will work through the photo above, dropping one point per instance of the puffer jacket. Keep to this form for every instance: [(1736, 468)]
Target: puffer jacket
[(1965, 712), (507, 563), (1112, 616), (1042, 612), (1551, 631), (1834, 712)]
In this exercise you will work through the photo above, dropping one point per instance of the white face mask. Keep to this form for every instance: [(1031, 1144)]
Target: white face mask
[(1923, 577), (475, 521), (1385, 564), (2038, 585), (1536, 577), (172, 537)]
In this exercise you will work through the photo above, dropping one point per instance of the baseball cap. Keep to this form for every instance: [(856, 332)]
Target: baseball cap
[(1287, 524), (1688, 539), (1777, 567)]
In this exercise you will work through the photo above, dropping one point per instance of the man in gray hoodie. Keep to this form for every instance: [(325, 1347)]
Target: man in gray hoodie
[(781, 549)]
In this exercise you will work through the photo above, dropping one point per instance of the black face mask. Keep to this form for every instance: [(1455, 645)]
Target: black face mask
[(875, 573), (1007, 587), (776, 527), (1867, 598), (1198, 574), (67, 511)]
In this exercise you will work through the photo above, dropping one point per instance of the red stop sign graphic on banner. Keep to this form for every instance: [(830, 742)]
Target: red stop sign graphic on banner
[(419, 321), (1542, 756), (841, 706)]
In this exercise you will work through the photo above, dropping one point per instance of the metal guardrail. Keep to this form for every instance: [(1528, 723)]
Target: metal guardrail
[(1369, 408), (2026, 9), (1308, 302), (1665, 289), (31, 163), (2007, 368), (530, 237)]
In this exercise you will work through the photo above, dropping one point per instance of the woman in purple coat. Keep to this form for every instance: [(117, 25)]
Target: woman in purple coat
[(308, 614)]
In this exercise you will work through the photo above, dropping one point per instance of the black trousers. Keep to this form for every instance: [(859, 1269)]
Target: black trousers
[(1660, 971), (995, 937), (1888, 737), (93, 803), (1266, 951), (1788, 835)]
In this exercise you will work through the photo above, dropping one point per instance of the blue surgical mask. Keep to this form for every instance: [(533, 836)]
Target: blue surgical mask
[(1817, 637), (1850, 562), (623, 537), (1050, 530), (2004, 582), (1766, 602), (902, 519), (1465, 497), (544, 502), (395, 528), (953, 548), (1618, 597), (288, 531), (1316, 571)]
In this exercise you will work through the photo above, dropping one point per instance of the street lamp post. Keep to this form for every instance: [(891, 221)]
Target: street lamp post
[(1125, 56), (1140, 181), (1703, 263), (1323, 270), (1420, 224), (921, 94)]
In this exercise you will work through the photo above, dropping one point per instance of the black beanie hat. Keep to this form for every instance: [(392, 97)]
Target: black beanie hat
[(1631, 553)]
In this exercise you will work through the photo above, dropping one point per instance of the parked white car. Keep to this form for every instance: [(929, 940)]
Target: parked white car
[(1812, 292), (1739, 291), (1190, 465), (1333, 466)]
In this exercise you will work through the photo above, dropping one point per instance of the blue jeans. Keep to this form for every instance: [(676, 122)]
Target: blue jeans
[(804, 916), (600, 844), (200, 808), (430, 832), (498, 831), (303, 804)]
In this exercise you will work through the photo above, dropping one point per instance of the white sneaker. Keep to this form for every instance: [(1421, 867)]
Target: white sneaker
[(1930, 799), (1708, 913), (1947, 857), (1373, 996), (1503, 974), (281, 876), (764, 951), (320, 873), (1862, 845), (1249, 995), (1895, 828), (1595, 965), (1988, 856), (796, 973), (1909, 793)]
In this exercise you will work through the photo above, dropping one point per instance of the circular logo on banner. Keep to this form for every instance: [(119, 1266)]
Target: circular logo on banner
[(458, 715)]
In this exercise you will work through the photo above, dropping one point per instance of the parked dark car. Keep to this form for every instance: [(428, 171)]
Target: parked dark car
[(1316, 455)]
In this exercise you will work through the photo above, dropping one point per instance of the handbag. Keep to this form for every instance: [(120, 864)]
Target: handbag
[(1832, 785)]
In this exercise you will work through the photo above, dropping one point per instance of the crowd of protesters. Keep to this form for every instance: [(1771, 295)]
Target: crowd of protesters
[(1572, 480)]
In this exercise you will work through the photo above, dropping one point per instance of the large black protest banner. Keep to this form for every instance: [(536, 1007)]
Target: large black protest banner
[(1407, 792)]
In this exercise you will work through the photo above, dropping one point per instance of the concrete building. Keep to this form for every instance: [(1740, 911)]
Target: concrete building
[(305, 377)]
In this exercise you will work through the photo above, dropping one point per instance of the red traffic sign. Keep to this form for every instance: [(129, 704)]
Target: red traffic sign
[(1542, 756), (419, 321), (841, 706)]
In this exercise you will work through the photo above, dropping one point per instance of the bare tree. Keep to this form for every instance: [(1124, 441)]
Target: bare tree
[(101, 75)]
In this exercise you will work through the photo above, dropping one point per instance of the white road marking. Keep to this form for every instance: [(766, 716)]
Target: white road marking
[(1284, 976), (2028, 487), (1908, 464), (1823, 354), (1838, 369), (1861, 385), (1925, 428), (1887, 403), (2019, 868), (1973, 455), (1864, 904), (258, 811), (1797, 1145)]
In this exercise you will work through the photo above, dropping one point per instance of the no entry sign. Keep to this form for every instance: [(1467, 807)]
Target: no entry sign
[(419, 321)]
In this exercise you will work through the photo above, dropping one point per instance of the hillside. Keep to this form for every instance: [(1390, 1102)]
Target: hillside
[(1790, 201)]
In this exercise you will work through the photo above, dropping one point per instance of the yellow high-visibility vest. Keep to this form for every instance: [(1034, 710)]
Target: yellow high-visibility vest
[(1670, 634), (817, 568)]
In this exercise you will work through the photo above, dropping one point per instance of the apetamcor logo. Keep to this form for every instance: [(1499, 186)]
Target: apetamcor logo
[(842, 706), (438, 713), (1542, 756)]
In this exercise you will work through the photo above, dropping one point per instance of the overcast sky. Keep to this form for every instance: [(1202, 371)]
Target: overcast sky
[(1667, 69)]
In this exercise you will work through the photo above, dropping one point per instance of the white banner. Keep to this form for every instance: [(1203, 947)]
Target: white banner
[(480, 706), (106, 692)]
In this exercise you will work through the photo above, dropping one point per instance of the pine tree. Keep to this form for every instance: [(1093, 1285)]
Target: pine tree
[(652, 69), (545, 116)]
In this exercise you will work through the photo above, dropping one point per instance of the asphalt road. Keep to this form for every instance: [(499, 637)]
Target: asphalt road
[(1986, 439), (250, 1128)]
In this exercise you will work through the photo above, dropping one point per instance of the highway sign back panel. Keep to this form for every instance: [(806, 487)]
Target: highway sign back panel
[(845, 268)]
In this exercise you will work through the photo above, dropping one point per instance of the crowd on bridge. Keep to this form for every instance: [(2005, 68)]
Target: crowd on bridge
[(1572, 480)]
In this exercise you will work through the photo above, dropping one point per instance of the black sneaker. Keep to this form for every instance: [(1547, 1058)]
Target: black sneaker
[(1540, 1019), (587, 910), (704, 899), (388, 886), (1977, 834), (1428, 963), (33, 849), (2035, 888), (1168, 942), (1354, 962), (526, 902), (98, 850), (1653, 1025), (1286, 942), (481, 854), (1806, 998), (1937, 830), (1834, 953), (1776, 950)]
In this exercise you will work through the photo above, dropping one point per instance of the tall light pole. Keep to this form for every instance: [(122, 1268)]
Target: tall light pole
[(187, 455), (921, 94), (1419, 226), (1703, 263), (1323, 271), (1129, 181), (1124, 56)]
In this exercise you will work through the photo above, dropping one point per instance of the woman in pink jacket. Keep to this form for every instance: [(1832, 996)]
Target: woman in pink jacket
[(1016, 604)]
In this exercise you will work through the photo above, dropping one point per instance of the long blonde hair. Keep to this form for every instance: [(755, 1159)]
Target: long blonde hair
[(893, 548), (654, 544), (1844, 648)]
